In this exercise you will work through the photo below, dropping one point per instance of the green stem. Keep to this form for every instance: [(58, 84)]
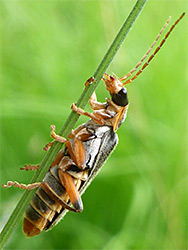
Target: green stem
[(73, 117)]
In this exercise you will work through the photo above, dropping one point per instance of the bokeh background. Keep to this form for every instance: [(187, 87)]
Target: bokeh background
[(48, 50)]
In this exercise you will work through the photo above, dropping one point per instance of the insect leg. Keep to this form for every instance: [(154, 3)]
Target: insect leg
[(30, 167), (93, 99), (90, 81), (73, 133), (95, 105), (77, 152), (68, 183), (47, 146), (56, 137), (80, 111), (22, 186), (75, 148)]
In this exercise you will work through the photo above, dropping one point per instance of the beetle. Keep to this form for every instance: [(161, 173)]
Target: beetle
[(85, 151)]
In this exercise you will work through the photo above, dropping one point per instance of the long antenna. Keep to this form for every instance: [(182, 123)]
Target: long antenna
[(147, 53), (155, 52)]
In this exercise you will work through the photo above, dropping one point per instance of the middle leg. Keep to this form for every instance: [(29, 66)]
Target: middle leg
[(74, 196)]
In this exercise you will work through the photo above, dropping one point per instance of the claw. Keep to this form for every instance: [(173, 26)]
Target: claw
[(90, 81)]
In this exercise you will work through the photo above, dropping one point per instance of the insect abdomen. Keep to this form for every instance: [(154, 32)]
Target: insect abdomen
[(44, 205)]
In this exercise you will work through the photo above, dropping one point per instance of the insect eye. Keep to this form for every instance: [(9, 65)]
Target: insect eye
[(120, 98)]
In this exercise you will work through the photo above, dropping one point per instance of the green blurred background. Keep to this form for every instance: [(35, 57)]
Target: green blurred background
[(48, 50)]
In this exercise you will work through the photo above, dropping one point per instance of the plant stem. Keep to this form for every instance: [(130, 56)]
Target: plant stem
[(73, 117)]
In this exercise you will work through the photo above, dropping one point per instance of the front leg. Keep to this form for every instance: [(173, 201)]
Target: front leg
[(95, 117), (89, 81), (94, 104)]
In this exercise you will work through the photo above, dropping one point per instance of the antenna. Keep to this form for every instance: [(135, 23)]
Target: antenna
[(145, 56), (152, 56)]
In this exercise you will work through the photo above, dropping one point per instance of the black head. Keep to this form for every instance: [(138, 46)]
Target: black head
[(121, 98)]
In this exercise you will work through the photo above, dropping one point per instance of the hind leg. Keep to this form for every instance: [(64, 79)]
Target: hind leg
[(22, 186)]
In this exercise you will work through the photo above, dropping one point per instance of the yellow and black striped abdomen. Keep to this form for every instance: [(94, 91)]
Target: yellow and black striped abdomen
[(46, 202)]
